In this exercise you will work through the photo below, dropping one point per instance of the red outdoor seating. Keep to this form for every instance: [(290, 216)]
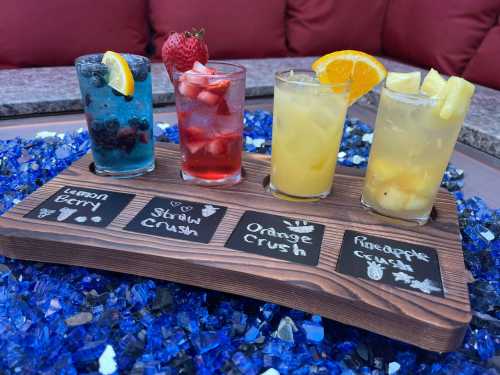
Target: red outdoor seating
[(456, 37)]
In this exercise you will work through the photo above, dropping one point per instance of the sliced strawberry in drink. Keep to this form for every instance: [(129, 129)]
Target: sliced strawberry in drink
[(195, 146), (200, 68), (208, 98), (223, 108), (219, 87), (195, 78), (194, 138), (188, 89), (182, 116), (217, 146), (194, 134)]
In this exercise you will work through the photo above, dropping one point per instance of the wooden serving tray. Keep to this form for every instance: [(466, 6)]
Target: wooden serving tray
[(427, 321)]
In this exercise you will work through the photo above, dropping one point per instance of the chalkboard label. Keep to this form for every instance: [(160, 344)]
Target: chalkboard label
[(182, 220), (400, 264), (82, 206), (278, 237)]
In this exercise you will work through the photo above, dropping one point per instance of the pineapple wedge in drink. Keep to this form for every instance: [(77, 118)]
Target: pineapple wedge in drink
[(408, 83), (415, 134)]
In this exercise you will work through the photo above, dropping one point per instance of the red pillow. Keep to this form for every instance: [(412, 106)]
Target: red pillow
[(233, 29), (483, 68), (55, 32), (316, 27), (443, 34)]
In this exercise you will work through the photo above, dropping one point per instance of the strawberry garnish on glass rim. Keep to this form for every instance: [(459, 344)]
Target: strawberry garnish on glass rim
[(182, 50)]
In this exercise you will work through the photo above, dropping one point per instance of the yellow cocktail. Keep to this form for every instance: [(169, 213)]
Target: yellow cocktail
[(415, 134), (307, 129)]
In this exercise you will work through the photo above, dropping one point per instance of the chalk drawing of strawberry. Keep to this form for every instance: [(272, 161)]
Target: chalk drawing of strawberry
[(208, 210), (299, 226)]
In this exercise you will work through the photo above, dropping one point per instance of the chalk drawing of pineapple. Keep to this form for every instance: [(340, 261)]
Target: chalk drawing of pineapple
[(375, 271), (299, 226)]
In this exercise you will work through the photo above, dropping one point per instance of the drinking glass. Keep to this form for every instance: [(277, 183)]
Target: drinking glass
[(308, 121), (411, 148), (210, 115), (120, 127)]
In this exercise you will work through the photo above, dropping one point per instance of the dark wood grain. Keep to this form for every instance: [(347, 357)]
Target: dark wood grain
[(430, 322)]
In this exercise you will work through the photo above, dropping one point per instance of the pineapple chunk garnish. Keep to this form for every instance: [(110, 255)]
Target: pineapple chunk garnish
[(406, 83), (433, 83), (455, 98)]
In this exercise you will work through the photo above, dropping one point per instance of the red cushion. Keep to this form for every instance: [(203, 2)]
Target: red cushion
[(55, 32), (483, 68), (443, 34), (234, 29), (316, 27)]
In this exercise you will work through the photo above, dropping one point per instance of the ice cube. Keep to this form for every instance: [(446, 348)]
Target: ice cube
[(228, 124)]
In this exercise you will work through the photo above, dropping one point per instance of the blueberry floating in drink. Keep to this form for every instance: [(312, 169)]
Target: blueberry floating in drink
[(116, 90)]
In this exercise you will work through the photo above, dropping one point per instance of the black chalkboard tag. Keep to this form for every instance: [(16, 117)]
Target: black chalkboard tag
[(400, 264), (82, 206), (294, 240), (174, 218)]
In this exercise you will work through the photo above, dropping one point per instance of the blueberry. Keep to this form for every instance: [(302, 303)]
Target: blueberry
[(86, 71), (98, 80), (116, 92), (144, 125), (97, 126), (126, 139), (134, 122), (112, 126), (139, 124), (88, 100), (104, 134), (140, 72)]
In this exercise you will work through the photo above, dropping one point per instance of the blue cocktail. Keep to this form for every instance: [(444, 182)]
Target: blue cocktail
[(120, 126)]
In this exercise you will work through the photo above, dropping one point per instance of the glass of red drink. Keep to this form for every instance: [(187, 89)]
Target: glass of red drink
[(210, 101)]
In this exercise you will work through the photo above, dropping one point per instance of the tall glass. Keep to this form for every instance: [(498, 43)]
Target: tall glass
[(210, 114), (411, 148), (307, 130), (120, 127)]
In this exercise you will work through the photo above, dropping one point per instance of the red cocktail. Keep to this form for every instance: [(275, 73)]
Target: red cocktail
[(210, 101)]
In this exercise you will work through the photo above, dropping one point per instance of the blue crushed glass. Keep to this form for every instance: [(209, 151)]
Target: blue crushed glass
[(62, 320)]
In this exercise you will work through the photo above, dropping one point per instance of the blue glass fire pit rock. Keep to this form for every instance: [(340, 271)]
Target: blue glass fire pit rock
[(70, 320)]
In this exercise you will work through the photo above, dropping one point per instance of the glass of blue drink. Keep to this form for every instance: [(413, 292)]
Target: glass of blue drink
[(120, 126)]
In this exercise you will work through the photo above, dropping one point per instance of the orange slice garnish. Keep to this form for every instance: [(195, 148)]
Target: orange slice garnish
[(363, 70)]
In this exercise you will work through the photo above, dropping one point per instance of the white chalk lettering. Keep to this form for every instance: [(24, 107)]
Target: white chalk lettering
[(262, 242), (271, 232), (182, 229), (408, 255), (86, 194), (77, 202), (159, 212), (398, 264)]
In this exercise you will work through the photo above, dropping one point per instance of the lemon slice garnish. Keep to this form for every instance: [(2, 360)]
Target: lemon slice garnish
[(120, 75)]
